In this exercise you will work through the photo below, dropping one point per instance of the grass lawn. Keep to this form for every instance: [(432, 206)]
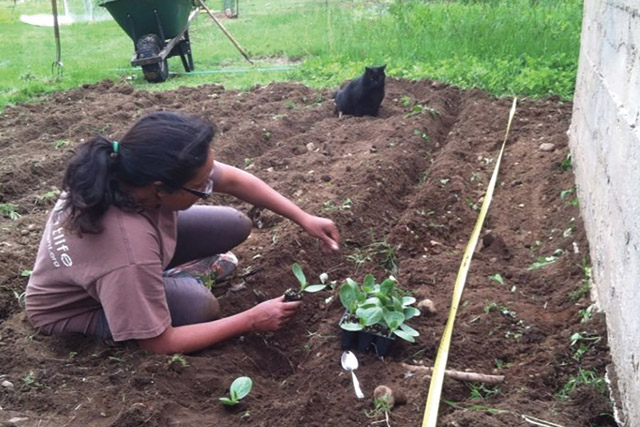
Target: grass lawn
[(523, 47)]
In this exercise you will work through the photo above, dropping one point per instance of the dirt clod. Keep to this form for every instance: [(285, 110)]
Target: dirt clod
[(385, 394), (427, 306)]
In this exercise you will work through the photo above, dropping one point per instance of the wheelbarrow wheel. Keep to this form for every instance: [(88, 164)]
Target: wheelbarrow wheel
[(147, 46)]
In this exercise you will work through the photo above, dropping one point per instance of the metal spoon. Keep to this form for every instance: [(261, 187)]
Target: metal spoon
[(350, 363)]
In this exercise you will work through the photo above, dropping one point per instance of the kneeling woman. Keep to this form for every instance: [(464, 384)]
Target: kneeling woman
[(116, 247)]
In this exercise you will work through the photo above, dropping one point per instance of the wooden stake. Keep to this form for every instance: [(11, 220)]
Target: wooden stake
[(226, 32), (458, 375)]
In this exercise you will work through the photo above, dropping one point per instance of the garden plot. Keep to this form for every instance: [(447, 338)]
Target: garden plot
[(404, 189)]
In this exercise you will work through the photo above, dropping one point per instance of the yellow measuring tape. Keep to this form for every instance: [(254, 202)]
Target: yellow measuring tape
[(437, 377)]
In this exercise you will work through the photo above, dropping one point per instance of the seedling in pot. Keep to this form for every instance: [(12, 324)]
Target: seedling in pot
[(379, 308), (351, 296), (395, 319), (240, 388), (296, 294)]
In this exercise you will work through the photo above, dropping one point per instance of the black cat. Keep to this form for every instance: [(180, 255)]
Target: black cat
[(363, 95)]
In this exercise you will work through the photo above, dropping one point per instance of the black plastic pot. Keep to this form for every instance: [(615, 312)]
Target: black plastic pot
[(364, 341), (382, 345), (348, 339), (292, 295)]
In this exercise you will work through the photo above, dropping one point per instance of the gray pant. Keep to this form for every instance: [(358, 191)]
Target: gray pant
[(203, 231)]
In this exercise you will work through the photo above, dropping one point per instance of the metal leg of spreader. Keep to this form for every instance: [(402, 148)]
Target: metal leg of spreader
[(184, 50)]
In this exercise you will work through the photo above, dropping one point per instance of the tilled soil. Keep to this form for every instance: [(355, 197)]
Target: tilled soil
[(404, 189)]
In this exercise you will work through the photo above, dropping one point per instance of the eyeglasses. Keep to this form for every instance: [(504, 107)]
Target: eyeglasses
[(208, 189)]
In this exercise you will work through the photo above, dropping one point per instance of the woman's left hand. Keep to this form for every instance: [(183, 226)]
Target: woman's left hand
[(251, 189), (324, 229)]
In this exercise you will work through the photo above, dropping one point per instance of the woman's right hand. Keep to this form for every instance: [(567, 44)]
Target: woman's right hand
[(264, 317), (272, 314)]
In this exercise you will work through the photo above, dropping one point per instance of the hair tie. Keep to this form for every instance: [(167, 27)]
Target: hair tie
[(115, 146)]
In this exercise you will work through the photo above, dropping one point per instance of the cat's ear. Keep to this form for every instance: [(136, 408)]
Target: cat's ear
[(383, 67)]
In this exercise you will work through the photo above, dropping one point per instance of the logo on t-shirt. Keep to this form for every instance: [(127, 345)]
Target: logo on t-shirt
[(56, 243)]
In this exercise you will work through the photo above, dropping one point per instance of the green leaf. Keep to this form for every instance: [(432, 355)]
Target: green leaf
[(240, 387), (497, 278), (351, 326), (314, 288), (368, 281), (384, 298), (348, 295), (297, 271), (387, 285), (394, 319), (396, 303), (227, 401), (542, 262), (410, 312), (402, 334), (408, 301), (409, 330), (370, 316), (371, 302)]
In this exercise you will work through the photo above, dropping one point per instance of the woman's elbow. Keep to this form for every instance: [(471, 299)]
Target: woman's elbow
[(162, 344)]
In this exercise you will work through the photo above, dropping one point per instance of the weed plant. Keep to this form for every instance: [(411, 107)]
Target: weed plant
[(584, 377), (507, 47)]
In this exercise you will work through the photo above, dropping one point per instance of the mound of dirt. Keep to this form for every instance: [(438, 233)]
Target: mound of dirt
[(404, 189)]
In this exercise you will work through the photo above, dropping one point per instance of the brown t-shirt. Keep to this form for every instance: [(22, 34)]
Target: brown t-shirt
[(119, 270)]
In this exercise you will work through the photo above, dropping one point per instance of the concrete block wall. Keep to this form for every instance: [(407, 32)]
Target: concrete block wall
[(605, 144)]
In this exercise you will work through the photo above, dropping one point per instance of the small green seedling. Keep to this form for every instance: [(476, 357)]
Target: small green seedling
[(9, 210), (481, 392), (62, 143), (586, 377), (240, 388), (296, 295), (21, 298), (48, 197), (543, 261), (331, 206), (31, 380), (423, 136), (497, 278), (566, 163), (178, 360)]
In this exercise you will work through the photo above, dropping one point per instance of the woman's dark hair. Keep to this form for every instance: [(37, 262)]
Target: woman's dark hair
[(162, 146)]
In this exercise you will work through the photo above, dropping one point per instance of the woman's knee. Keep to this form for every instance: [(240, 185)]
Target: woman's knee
[(199, 310), (237, 225), (190, 302), (227, 225), (244, 225)]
